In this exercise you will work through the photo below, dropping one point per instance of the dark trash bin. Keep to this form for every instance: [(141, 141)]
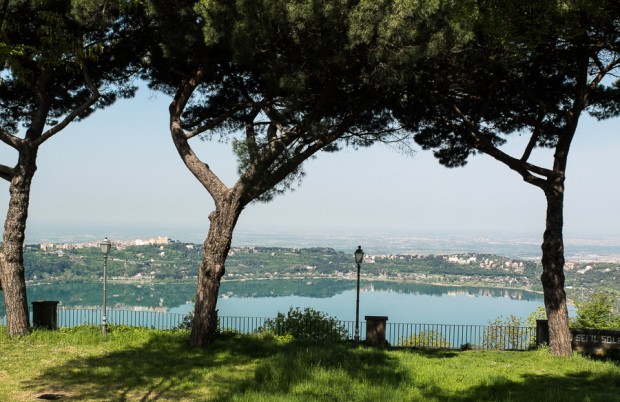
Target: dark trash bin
[(375, 330), (44, 314)]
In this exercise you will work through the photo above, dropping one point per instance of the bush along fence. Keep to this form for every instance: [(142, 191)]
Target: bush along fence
[(309, 323)]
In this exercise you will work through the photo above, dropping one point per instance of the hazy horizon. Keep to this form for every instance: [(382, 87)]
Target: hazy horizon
[(119, 168), (505, 244)]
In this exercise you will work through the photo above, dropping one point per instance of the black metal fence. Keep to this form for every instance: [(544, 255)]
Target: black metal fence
[(448, 336), (443, 336), (73, 317)]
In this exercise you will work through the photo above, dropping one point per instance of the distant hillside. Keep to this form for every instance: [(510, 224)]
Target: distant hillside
[(179, 261)]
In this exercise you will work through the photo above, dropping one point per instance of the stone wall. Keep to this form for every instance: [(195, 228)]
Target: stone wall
[(596, 342)]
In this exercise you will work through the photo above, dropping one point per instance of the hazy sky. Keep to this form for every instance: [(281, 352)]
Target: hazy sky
[(120, 168)]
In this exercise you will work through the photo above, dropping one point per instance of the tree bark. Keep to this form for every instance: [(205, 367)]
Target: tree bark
[(11, 258), (216, 247), (552, 277)]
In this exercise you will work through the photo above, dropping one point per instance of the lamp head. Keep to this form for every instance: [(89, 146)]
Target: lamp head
[(359, 255), (105, 245)]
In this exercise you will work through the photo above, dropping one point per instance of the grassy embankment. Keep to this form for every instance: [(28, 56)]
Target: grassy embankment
[(147, 365)]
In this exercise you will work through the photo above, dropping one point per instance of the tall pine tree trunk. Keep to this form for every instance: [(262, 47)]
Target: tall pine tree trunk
[(216, 247), (12, 255), (553, 271)]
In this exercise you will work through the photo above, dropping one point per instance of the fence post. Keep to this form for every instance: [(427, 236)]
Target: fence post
[(542, 332)]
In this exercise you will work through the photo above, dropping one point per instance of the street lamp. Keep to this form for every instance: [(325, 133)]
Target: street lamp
[(105, 249), (359, 258)]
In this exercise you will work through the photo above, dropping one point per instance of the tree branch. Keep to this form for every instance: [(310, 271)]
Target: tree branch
[(10, 140), (307, 147), (214, 122), (603, 71), (39, 115), (580, 102), (200, 170), (275, 121), (6, 173), (272, 132), (525, 169), (276, 143), (250, 135), (76, 112), (527, 152)]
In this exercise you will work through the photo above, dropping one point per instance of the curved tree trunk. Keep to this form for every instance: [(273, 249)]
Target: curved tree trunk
[(553, 272), (12, 255), (216, 247)]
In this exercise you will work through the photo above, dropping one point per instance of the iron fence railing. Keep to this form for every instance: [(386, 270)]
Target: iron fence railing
[(70, 317), (445, 336), (449, 336)]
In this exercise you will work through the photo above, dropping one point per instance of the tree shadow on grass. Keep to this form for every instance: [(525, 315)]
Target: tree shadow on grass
[(166, 368), (282, 375), (310, 371)]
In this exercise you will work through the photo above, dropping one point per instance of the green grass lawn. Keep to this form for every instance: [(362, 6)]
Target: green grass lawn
[(148, 365)]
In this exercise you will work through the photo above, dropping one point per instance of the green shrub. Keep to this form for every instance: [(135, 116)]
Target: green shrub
[(306, 324), (186, 324), (507, 334), (426, 339), (539, 314), (599, 312)]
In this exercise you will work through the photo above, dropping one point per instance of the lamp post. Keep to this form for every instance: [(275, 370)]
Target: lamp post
[(105, 249), (359, 258)]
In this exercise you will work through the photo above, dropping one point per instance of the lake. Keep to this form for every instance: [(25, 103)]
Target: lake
[(402, 303)]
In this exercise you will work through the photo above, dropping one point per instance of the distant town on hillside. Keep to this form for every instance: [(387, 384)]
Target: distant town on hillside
[(162, 259)]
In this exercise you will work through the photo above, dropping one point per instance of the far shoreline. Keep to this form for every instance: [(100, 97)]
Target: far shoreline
[(472, 284)]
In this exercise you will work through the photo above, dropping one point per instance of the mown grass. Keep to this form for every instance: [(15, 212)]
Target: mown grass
[(148, 365)]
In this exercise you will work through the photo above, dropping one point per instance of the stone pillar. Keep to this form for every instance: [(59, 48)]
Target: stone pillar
[(44, 314), (542, 333), (375, 330)]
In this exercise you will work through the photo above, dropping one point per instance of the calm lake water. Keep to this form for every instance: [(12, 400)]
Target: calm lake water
[(402, 303)]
